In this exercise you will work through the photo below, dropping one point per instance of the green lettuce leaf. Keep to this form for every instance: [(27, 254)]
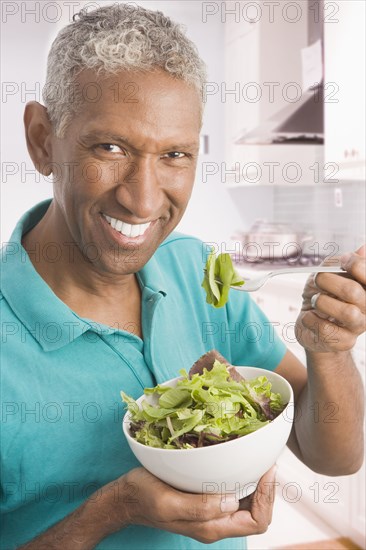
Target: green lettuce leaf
[(207, 409), (175, 397), (219, 276)]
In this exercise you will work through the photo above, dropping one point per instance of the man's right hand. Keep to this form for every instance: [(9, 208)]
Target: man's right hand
[(139, 498), (145, 500)]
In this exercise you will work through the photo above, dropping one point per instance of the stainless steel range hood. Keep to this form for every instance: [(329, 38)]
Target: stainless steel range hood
[(301, 122), (296, 123)]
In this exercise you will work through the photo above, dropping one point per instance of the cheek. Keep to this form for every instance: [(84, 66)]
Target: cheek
[(83, 182), (178, 185), (95, 179), (184, 192)]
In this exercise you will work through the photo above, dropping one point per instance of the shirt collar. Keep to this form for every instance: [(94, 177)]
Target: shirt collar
[(52, 323), (152, 277)]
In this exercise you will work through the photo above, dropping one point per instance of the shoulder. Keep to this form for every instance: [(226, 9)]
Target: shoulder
[(183, 257), (181, 239), (185, 248)]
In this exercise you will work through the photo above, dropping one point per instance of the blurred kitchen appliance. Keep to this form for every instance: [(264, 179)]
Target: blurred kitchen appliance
[(272, 242), (305, 259)]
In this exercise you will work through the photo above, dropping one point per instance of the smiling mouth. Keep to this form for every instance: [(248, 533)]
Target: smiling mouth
[(127, 229)]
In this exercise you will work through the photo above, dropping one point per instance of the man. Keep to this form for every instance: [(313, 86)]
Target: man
[(98, 296)]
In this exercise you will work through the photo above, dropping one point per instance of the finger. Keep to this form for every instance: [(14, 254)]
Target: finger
[(169, 504), (263, 498), (308, 292), (347, 315), (239, 524), (346, 290), (314, 276), (361, 251), (328, 334), (314, 300), (202, 507), (355, 264), (266, 481)]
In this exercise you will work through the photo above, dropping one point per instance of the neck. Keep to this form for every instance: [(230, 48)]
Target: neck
[(76, 280)]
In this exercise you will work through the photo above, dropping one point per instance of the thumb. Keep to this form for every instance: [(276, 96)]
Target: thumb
[(345, 258), (361, 251)]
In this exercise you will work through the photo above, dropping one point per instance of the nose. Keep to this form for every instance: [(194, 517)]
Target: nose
[(139, 190)]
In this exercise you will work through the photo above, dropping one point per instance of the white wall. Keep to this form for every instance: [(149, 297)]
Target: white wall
[(26, 38)]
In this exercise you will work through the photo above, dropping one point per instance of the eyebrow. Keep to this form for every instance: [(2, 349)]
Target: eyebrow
[(108, 137)]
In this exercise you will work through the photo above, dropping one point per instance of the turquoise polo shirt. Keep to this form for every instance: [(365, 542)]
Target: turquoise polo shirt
[(61, 377)]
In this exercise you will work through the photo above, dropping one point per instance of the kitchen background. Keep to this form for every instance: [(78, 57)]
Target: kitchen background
[(264, 111), (241, 42)]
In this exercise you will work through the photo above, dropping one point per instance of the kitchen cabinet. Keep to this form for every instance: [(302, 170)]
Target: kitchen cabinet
[(281, 301), (273, 63), (345, 89), (237, 95), (339, 501), (286, 164), (262, 59), (262, 76)]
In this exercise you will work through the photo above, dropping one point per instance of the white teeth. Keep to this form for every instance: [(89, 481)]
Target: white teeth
[(118, 225), (135, 230), (127, 229)]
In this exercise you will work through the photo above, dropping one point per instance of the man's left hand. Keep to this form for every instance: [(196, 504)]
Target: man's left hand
[(333, 312)]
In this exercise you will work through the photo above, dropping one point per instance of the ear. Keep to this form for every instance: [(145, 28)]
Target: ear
[(38, 132)]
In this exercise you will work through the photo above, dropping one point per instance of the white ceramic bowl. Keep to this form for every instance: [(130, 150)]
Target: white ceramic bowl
[(226, 467)]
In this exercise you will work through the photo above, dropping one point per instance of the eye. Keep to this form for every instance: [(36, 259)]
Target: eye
[(174, 155), (110, 148)]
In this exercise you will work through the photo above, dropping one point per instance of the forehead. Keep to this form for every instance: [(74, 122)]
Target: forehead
[(135, 100)]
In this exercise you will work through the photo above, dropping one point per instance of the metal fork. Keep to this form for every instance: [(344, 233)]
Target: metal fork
[(250, 285)]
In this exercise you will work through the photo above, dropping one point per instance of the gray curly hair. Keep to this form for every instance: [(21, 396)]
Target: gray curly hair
[(113, 38)]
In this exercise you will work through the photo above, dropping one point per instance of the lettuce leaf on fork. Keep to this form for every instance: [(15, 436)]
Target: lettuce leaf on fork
[(219, 276)]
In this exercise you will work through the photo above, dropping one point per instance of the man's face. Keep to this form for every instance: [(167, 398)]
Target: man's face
[(126, 167)]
